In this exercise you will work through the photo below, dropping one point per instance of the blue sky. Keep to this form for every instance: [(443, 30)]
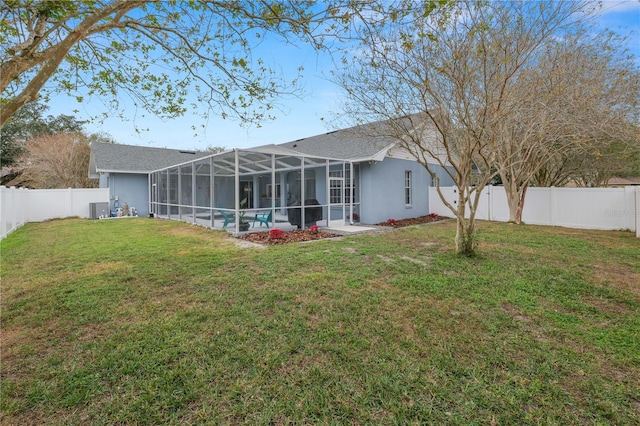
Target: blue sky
[(296, 117)]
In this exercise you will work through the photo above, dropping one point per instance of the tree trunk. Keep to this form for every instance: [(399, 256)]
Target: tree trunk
[(465, 232), (515, 199), (521, 204), (465, 238)]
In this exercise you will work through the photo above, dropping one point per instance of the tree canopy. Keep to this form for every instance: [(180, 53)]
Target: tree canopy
[(46, 151), (485, 88), (157, 52), (59, 160), (29, 122), (577, 103)]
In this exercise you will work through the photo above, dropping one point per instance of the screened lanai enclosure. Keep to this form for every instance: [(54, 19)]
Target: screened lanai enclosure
[(257, 189)]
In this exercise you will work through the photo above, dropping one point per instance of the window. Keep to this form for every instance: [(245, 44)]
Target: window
[(349, 188), (270, 193), (336, 185), (339, 181), (407, 187), (294, 186), (310, 184)]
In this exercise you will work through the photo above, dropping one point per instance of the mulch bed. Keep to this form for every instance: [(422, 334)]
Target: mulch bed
[(399, 223), (295, 236), (300, 235)]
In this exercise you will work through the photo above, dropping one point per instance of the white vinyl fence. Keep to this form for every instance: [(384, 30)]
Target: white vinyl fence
[(585, 208), (19, 206)]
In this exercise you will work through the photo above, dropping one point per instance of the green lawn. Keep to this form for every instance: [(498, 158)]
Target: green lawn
[(144, 321)]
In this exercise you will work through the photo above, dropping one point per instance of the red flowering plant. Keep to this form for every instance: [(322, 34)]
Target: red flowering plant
[(313, 229), (276, 234), (433, 215), (391, 221)]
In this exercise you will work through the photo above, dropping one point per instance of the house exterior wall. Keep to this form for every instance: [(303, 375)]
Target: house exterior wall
[(383, 190), (130, 188), (103, 180), (443, 176)]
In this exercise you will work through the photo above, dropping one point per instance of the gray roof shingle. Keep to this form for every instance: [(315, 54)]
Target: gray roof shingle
[(109, 157), (355, 143), (359, 143)]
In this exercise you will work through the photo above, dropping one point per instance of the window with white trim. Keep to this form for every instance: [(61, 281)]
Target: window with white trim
[(407, 188), (340, 180)]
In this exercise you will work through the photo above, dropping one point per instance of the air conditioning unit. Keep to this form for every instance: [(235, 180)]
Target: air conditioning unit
[(98, 210)]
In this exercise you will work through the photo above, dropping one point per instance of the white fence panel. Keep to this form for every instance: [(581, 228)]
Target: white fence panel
[(637, 212), (484, 205), (498, 203), (435, 202), (586, 208), (491, 206), (538, 206), (592, 208), (19, 206), (13, 209)]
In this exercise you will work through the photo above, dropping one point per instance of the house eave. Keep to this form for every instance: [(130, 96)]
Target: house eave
[(133, 172), (377, 157)]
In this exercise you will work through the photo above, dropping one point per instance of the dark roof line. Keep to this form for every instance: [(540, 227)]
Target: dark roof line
[(137, 159)]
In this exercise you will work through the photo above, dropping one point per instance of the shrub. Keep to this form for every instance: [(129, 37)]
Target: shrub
[(276, 234)]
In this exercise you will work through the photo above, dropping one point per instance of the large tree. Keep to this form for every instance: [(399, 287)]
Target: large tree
[(450, 72), (59, 160), (157, 52), (576, 104), (27, 123)]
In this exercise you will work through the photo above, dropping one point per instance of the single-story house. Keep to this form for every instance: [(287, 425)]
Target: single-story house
[(617, 182), (339, 177), (124, 169)]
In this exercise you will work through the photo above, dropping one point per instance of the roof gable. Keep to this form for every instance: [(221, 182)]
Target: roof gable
[(374, 141)]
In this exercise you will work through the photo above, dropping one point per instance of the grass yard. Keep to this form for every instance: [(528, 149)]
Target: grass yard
[(144, 321)]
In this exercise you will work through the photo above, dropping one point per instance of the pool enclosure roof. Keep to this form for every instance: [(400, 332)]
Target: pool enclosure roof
[(258, 160), (258, 183)]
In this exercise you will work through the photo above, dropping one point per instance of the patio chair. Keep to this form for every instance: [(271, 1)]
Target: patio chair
[(263, 217), (228, 218)]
